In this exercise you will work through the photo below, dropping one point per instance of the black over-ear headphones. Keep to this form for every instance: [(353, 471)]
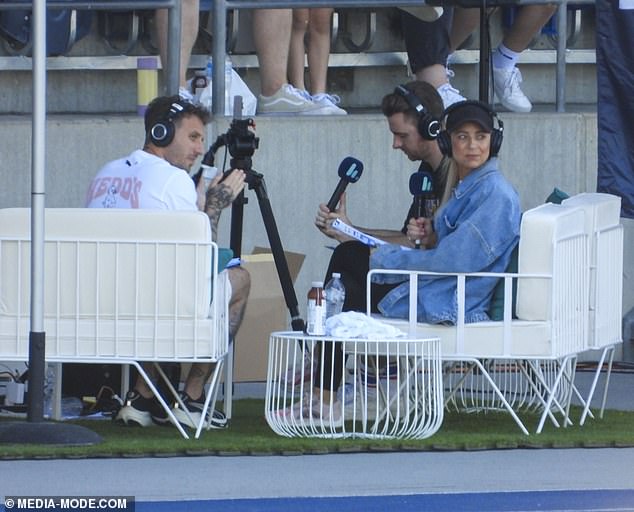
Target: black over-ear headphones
[(162, 133), (428, 126), (497, 134)]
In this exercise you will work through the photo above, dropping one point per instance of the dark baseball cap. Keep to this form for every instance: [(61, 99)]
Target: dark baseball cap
[(467, 111)]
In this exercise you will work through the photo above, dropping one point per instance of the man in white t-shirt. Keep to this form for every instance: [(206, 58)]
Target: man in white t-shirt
[(157, 177)]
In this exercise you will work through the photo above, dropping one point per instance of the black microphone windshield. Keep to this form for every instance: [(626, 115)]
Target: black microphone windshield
[(350, 169), (421, 183), (209, 157)]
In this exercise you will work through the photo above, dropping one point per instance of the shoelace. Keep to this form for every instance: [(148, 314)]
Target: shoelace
[(514, 80), (332, 98), (297, 92), (448, 88)]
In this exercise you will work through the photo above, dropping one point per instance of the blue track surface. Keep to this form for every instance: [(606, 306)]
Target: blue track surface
[(573, 501)]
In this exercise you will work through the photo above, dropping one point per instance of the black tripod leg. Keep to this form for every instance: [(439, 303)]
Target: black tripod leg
[(485, 51), (237, 215), (278, 255)]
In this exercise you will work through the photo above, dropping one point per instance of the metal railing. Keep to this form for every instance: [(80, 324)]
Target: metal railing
[(173, 32), (220, 8), (220, 32)]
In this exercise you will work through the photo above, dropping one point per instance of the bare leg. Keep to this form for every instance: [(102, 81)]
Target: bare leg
[(272, 35), (530, 19), (465, 21), (436, 75), (189, 32), (297, 50), (140, 385), (319, 48), (240, 286), (196, 379)]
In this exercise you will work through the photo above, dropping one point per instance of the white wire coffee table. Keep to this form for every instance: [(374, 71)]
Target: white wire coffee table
[(392, 388)]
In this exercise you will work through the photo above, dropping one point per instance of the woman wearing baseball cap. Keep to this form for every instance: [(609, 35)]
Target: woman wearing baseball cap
[(475, 231)]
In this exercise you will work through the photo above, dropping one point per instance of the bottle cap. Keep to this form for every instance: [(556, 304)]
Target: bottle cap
[(318, 284), (336, 275)]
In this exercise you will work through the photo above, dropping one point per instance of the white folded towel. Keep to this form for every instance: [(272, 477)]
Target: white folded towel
[(352, 324)]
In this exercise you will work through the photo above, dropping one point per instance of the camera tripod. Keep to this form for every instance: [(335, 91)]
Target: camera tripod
[(242, 143)]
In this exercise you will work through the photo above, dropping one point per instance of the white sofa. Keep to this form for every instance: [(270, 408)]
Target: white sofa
[(605, 302), (120, 286), (552, 311)]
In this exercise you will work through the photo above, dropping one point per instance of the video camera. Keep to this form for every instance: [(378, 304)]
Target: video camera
[(239, 140)]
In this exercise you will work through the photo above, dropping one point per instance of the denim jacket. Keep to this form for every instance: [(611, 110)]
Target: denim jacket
[(477, 230)]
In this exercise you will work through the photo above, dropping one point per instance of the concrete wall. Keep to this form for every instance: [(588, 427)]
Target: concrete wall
[(299, 158)]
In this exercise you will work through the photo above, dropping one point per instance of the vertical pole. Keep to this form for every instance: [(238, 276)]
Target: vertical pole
[(484, 55), (219, 53), (173, 64), (562, 36), (38, 176)]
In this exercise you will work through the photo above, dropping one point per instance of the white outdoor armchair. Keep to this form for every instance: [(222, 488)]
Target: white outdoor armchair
[(120, 286), (551, 325)]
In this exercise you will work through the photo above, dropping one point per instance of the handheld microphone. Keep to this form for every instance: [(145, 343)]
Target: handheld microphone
[(421, 186), (350, 170)]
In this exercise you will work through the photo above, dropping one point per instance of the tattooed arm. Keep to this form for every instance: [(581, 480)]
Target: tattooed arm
[(220, 195)]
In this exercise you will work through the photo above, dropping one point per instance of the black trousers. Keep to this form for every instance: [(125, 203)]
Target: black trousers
[(352, 261), (427, 43)]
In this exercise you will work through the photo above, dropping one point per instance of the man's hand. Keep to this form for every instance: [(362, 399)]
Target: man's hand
[(325, 218), (220, 195)]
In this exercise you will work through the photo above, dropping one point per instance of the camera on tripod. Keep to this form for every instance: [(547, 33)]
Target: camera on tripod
[(240, 140)]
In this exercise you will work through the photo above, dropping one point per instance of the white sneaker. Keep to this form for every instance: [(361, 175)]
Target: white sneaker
[(309, 409), (328, 104), (286, 101), (449, 94), (506, 83), (327, 415)]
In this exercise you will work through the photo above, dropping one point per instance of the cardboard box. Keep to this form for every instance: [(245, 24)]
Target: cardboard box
[(266, 312)]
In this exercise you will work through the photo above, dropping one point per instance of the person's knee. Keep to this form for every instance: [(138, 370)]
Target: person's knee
[(240, 282), (347, 253), (320, 26)]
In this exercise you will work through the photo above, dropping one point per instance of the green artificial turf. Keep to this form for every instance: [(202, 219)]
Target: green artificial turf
[(249, 434)]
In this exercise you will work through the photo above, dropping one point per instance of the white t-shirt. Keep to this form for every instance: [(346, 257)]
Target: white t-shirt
[(142, 180)]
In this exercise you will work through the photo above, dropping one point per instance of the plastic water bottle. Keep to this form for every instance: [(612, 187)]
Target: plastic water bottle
[(335, 295), (209, 69), (199, 83), (49, 386), (209, 173), (71, 407), (228, 98), (205, 96)]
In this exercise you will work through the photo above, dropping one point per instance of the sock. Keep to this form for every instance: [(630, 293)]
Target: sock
[(449, 59), (504, 58)]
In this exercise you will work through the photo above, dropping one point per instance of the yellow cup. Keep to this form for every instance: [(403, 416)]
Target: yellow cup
[(147, 82)]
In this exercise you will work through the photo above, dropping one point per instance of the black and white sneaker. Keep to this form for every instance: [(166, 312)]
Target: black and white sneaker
[(136, 410), (159, 415), (195, 409)]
